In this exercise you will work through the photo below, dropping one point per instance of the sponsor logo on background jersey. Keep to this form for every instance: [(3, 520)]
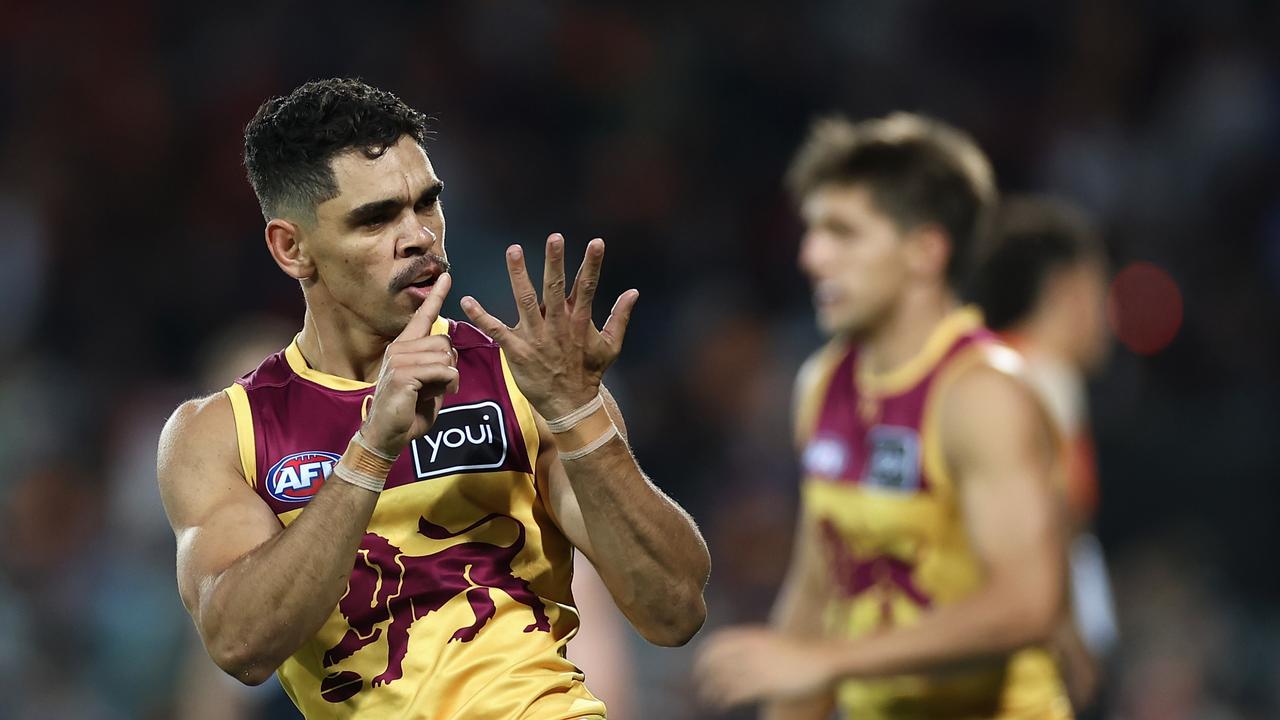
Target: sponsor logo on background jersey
[(297, 477), (826, 457), (465, 437), (893, 461)]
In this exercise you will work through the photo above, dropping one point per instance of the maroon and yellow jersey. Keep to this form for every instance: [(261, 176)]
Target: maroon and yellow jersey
[(879, 499), (459, 603)]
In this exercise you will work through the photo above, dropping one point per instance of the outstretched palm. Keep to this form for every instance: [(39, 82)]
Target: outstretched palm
[(557, 357)]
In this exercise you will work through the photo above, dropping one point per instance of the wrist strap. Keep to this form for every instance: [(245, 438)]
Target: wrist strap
[(358, 439), (567, 422), (592, 446), (363, 466)]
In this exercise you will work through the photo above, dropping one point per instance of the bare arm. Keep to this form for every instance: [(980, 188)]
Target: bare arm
[(647, 550), (798, 613), (998, 446), (636, 537), (796, 620), (258, 591), (255, 591), (1000, 450)]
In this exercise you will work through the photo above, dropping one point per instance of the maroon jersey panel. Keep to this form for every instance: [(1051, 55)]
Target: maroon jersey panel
[(301, 427), (874, 439)]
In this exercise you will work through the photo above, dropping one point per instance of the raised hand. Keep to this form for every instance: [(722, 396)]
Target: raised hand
[(558, 357), (418, 368), (749, 664)]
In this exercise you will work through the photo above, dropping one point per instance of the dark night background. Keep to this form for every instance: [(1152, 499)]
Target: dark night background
[(132, 267)]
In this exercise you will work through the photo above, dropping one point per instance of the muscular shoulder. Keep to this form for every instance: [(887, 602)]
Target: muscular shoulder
[(196, 417), (200, 433), (988, 408)]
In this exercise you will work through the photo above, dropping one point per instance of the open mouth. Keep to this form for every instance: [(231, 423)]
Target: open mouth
[(420, 276)]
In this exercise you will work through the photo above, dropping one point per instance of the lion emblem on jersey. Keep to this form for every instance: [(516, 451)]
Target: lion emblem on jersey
[(388, 584)]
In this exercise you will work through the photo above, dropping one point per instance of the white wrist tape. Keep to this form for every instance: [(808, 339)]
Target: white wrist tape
[(358, 439), (592, 446), (363, 466), (373, 483), (567, 422)]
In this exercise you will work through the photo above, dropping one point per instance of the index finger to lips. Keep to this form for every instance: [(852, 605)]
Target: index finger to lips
[(429, 311)]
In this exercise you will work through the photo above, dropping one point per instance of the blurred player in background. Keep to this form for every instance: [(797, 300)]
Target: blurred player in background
[(386, 510), (1041, 282), (928, 568)]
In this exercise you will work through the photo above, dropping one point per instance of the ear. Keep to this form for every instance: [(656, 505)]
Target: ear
[(1061, 287), (284, 242), (929, 251)]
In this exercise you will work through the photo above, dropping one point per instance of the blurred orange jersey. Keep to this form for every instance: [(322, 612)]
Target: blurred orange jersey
[(459, 603), (878, 497)]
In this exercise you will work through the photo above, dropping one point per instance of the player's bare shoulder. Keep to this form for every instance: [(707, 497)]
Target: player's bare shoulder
[(986, 400), (198, 442)]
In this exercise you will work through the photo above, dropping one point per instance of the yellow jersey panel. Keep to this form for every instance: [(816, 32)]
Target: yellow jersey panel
[(459, 602)]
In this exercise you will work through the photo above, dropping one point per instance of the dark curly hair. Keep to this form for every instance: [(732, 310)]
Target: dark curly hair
[(291, 139), (918, 170)]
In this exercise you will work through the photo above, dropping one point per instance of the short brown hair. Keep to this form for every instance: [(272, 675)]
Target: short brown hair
[(919, 170)]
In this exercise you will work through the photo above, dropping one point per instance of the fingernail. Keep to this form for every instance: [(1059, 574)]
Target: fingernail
[(467, 301), (514, 252)]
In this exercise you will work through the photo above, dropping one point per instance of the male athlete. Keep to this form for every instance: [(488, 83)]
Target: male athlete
[(928, 562), (1041, 281), (386, 511)]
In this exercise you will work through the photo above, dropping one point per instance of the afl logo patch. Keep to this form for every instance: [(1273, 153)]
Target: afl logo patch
[(297, 477), (825, 457)]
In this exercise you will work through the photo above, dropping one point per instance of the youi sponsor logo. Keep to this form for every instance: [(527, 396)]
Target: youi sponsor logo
[(464, 437)]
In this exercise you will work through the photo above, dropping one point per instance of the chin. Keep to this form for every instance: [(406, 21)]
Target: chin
[(833, 324)]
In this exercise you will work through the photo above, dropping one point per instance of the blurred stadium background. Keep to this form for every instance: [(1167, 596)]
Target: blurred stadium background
[(133, 275)]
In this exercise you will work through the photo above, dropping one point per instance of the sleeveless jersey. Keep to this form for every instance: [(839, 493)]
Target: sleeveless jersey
[(887, 517), (459, 603)]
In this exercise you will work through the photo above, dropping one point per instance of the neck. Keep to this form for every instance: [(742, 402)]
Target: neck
[(903, 334), (336, 343), (1046, 334)]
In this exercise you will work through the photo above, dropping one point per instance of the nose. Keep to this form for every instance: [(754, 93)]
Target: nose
[(417, 239), (811, 257)]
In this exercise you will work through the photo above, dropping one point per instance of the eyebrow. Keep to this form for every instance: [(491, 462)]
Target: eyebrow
[(378, 208)]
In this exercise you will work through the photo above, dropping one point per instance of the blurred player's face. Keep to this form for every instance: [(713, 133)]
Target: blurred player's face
[(1082, 289), (379, 245), (855, 257)]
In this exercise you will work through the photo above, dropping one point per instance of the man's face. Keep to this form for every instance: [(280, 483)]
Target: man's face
[(1082, 288), (379, 245), (855, 258)]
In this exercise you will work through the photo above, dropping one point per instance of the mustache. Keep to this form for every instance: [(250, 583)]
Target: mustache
[(436, 264)]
